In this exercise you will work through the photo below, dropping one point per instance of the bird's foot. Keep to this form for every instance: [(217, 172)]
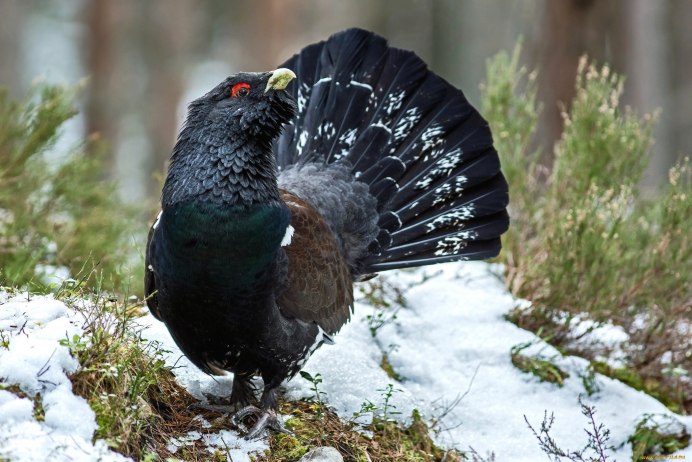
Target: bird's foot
[(267, 419)]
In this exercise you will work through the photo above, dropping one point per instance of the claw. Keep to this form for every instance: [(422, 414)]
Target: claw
[(266, 419), (244, 412)]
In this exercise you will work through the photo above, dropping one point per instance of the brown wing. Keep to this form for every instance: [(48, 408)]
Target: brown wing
[(320, 286), (150, 278)]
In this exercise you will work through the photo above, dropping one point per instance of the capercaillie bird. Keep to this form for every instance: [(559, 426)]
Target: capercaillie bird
[(286, 187)]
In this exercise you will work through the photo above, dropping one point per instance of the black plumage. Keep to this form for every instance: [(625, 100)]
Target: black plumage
[(279, 197)]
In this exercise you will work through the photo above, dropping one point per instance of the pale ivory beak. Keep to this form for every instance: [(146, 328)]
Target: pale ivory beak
[(279, 79)]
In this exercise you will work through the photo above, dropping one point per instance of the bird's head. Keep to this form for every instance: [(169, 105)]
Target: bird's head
[(224, 151), (247, 104)]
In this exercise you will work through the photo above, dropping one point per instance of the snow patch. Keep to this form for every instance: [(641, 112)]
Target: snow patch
[(451, 344), (35, 361)]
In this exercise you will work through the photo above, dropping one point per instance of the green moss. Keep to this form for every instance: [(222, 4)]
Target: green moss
[(589, 381), (287, 447), (657, 435), (39, 411), (542, 368), (389, 369), (389, 441), (635, 380)]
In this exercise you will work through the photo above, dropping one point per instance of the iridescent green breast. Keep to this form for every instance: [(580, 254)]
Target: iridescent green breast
[(228, 245)]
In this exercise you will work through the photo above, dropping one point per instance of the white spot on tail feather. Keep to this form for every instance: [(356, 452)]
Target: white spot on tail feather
[(327, 130), (406, 123), (303, 93), (383, 126), (288, 236), (361, 84), (393, 102), (302, 140), (431, 137), (453, 218), (449, 190), (349, 137), (424, 183), (452, 245), (443, 168)]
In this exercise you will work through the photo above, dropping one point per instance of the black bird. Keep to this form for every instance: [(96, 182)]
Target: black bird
[(278, 197)]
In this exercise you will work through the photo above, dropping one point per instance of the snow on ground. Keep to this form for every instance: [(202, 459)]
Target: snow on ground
[(450, 344), (38, 364), (452, 341)]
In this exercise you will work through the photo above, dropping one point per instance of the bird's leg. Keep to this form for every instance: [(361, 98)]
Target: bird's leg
[(267, 417), (242, 393)]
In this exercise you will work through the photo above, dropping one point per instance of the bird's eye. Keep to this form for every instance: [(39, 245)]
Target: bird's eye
[(240, 89)]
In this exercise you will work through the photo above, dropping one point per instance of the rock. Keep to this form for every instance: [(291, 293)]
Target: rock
[(323, 454)]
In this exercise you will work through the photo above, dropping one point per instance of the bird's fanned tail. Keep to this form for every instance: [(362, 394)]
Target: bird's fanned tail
[(425, 152)]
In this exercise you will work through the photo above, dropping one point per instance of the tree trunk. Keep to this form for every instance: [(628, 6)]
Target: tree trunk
[(570, 28), (104, 103), (648, 78), (11, 19), (680, 95)]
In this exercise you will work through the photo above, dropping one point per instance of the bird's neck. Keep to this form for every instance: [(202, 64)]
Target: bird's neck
[(223, 220), (208, 165)]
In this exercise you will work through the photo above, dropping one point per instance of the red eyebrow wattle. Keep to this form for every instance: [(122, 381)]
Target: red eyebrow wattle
[(237, 87)]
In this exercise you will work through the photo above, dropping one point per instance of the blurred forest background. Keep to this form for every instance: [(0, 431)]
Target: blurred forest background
[(144, 61), (584, 238)]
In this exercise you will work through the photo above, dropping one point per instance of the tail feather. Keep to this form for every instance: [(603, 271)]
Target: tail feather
[(456, 215), (434, 187), (433, 241), (369, 147), (454, 248), (444, 149), (386, 167), (425, 152)]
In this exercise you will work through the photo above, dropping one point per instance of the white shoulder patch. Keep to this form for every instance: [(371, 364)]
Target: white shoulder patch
[(158, 218), (288, 236)]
